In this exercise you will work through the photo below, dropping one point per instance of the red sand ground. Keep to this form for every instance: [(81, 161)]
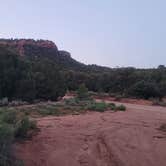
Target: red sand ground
[(113, 99), (128, 138), (128, 100)]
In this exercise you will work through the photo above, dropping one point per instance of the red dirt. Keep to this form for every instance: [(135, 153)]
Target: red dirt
[(114, 99), (127, 100), (128, 138)]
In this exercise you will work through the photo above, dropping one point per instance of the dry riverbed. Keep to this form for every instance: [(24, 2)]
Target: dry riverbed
[(130, 138)]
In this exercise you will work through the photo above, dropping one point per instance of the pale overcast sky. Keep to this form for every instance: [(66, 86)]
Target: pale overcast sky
[(104, 32)]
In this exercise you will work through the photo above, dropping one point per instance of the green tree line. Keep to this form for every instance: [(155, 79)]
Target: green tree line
[(29, 79), (32, 78)]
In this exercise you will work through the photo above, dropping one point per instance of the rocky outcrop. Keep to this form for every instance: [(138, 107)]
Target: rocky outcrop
[(64, 53), (47, 49), (33, 49), (20, 44)]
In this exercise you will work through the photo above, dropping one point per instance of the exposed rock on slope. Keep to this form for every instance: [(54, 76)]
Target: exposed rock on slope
[(47, 49), (30, 48), (21, 44)]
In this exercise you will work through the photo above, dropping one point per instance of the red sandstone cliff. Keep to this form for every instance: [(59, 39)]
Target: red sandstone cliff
[(19, 44)]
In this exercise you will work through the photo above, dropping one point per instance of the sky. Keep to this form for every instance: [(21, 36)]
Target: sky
[(105, 32)]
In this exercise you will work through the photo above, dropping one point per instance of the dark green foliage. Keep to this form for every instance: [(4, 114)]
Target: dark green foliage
[(49, 110), (44, 73), (6, 138), (82, 92), (121, 108), (122, 82), (12, 123), (92, 105), (99, 107), (10, 72), (26, 90), (72, 101), (85, 104), (10, 117), (145, 90), (29, 79), (115, 107), (112, 106), (23, 126), (162, 88)]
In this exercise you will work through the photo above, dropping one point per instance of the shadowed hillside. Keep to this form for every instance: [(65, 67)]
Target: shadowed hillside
[(47, 49)]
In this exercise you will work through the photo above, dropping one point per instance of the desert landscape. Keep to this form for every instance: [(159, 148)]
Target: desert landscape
[(111, 138), (83, 83), (56, 111)]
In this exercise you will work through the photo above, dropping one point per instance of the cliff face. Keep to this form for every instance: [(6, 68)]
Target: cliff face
[(42, 49), (21, 44), (33, 49)]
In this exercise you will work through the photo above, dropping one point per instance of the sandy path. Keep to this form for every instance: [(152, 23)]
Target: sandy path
[(137, 106), (128, 138)]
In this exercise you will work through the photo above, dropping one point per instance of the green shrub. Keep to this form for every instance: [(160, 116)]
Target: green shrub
[(6, 138), (12, 124), (100, 107), (112, 106), (145, 89), (71, 101), (6, 135), (10, 117), (82, 92), (121, 108), (23, 127), (33, 125), (48, 111)]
